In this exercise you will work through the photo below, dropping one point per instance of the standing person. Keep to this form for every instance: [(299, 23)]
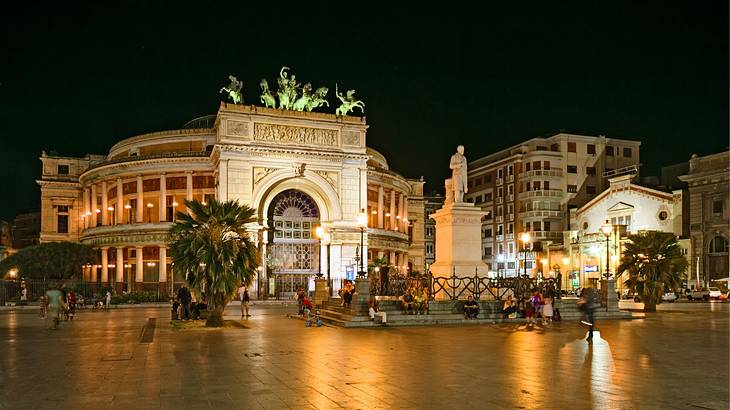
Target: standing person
[(547, 310), (300, 300), (529, 312), (71, 301), (108, 300), (43, 304), (537, 302), (347, 295), (56, 304), (588, 303), (185, 298), (244, 297)]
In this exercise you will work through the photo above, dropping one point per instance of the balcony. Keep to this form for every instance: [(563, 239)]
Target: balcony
[(500, 238), (550, 173), (509, 236), (500, 181), (543, 193), (126, 234), (511, 217), (499, 219), (510, 178), (510, 197), (546, 235), (500, 200), (540, 213)]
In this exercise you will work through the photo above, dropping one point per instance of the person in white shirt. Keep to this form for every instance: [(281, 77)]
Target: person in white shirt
[(374, 311)]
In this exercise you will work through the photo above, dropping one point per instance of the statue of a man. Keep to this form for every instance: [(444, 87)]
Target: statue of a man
[(458, 174)]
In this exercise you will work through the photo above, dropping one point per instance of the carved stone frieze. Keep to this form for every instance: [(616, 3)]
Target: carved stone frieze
[(351, 138), (294, 135), (260, 172), (330, 177), (238, 128)]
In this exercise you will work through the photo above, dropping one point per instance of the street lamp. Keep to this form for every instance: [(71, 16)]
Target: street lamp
[(111, 215), (525, 239), (607, 229), (362, 223), (324, 236), (149, 212), (128, 207)]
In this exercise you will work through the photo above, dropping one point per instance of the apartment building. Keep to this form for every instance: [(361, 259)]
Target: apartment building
[(431, 205), (530, 187)]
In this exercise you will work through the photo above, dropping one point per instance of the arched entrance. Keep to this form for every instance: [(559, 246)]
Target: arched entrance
[(293, 250), (717, 258)]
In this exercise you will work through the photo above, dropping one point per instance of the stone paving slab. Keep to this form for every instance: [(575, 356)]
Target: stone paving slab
[(667, 360)]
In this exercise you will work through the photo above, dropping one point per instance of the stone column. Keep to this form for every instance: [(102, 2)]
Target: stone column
[(392, 210), (189, 186), (405, 214), (120, 203), (139, 271), (401, 213), (163, 198), (93, 276), (94, 206), (120, 269), (360, 299), (381, 201), (104, 265), (87, 208), (104, 204), (140, 201), (163, 269), (321, 293)]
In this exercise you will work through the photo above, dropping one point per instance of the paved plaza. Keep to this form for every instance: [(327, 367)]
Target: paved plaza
[(122, 360)]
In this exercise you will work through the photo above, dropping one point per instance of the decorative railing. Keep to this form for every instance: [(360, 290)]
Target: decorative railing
[(459, 287)]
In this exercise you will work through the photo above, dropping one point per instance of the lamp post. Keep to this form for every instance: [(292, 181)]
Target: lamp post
[(525, 239), (324, 236), (111, 215), (607, 229), (149, 212), (362, 223)]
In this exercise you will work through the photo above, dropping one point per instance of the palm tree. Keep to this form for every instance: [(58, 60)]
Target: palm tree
[(212, 249), (654, 262)]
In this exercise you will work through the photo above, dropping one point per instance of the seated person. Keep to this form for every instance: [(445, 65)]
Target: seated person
[(374, 310), (509, 307), (471, 308), (408, 302), (421, 303), (347, 295)]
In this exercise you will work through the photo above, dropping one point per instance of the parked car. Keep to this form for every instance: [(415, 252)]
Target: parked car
[(715, 293), (669, 297), (633, 296), (695, 294)]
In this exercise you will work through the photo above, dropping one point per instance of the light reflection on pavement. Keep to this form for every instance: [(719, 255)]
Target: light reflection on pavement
[(673, 359)]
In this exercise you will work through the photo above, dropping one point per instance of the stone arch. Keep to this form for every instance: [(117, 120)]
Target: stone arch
[(311, 183)]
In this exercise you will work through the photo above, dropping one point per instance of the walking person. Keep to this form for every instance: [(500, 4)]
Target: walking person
[(588, 303), (107, 300), (547, 310), (244, 297), (56, 305), (185, 298), (71, 302)]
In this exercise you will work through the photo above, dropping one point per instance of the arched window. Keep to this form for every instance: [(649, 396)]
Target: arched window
[(718, 244)]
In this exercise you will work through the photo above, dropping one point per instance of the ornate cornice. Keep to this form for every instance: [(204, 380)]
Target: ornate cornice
[(280, 152), (139, 163), (127, 235)]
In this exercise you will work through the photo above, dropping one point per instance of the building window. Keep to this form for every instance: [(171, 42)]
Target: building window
[(469, 183), (500, 172), (718, 244), (500, 230), (488, 251), (717, 207), (499, 211), (528, 264), (609, 151), (510, 265), (663, 215), (571, 147), (510, 189), (499, 192), (510, 209), (528, 226), (536, 226), (488, 233), (510, 228), (627, 152), (590, 190), (555, 148), (511, 248), (591, 149), (546, 226), (536, 185), (510, 170), (546, 165), (487, 197), (478, 199), (572, 169), (537, 165), (62, 219), (541, 148), (546, 185), (478, 181), (591, 170), (572, 189), (169, 209), (63, 170), (528, 166)]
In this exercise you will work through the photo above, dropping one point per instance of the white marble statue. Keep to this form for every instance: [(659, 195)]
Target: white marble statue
[(458, 174)]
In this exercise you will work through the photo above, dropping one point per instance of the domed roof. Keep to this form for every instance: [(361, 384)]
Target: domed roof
[(376, 159), (205, 121)]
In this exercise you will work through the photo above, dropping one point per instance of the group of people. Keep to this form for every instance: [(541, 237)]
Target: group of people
[(415, 302), (533, 308), (186, 307), (346, 293)]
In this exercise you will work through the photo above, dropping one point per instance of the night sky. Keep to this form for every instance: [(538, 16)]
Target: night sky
[(78, 78)]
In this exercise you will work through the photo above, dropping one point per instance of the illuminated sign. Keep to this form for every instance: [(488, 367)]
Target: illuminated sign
[(591, 268)]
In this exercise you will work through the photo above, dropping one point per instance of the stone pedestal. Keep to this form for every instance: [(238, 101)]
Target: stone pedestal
[(458, 241), (608, 293), (360, 299), (321, 292)]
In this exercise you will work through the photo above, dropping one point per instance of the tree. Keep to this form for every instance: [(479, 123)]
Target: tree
[(654, 262), (53, 260), (212, 250)]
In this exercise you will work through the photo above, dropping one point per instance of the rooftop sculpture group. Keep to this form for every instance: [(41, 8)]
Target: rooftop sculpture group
[(293, 95)]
